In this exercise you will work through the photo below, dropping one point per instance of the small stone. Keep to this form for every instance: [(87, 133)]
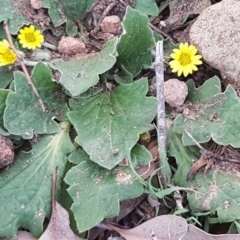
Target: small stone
[(216, 35), (111, 24), (70, 45), (175, 92), (6, 152), (35, 4)]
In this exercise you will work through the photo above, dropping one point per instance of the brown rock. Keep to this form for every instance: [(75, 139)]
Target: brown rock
[(175, 92), (36, 4), (6, 152), (216, 35), (70, 45), (111, 24)]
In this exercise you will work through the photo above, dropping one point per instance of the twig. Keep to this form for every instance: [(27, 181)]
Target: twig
[(178, 199), (161, 118), (50, 46), (196, 143), (208, 154), (30, 83), (105, 13), (32, 63), (161, 32)]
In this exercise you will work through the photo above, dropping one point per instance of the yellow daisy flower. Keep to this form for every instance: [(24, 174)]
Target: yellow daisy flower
[(30, 38), (7, 55), (185, 59)]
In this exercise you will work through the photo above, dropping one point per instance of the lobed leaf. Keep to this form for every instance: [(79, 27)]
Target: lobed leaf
[(96, 192), (23, 115), (136, 42), (79, 75), (216, 190), (213, 114), (108, 124)]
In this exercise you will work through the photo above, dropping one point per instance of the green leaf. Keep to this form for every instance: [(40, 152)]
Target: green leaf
[(23, 115), (215, 191), (71, 28), (78, 156), (75, 9), (61, 11), (6, 77), (210, 111), (136, 42), (124, 76), (96, 192), (185, 157), (108, 124), (148, 7), (9, 11), (79, 75), (25, 188), (3, 96), (55, 12), (140, 155), (220, 193)]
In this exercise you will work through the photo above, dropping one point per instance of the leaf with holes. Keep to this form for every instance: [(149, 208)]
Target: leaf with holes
[(136, 42), (108, 124), (99, 197), (23, 115), (25, 188), (79, 75)]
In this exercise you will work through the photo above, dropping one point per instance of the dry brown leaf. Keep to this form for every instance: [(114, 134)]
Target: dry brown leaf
[(147, 170), (168, 227), (59, 228), (153, 148)]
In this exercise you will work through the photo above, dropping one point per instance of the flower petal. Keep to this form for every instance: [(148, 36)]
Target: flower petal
[(31, 28), (30, 42), (184, 59), (175, 56), (180, 72)]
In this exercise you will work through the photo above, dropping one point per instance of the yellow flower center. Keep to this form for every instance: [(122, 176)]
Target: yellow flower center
[(184, 59), (30, 37), (9, 56)]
